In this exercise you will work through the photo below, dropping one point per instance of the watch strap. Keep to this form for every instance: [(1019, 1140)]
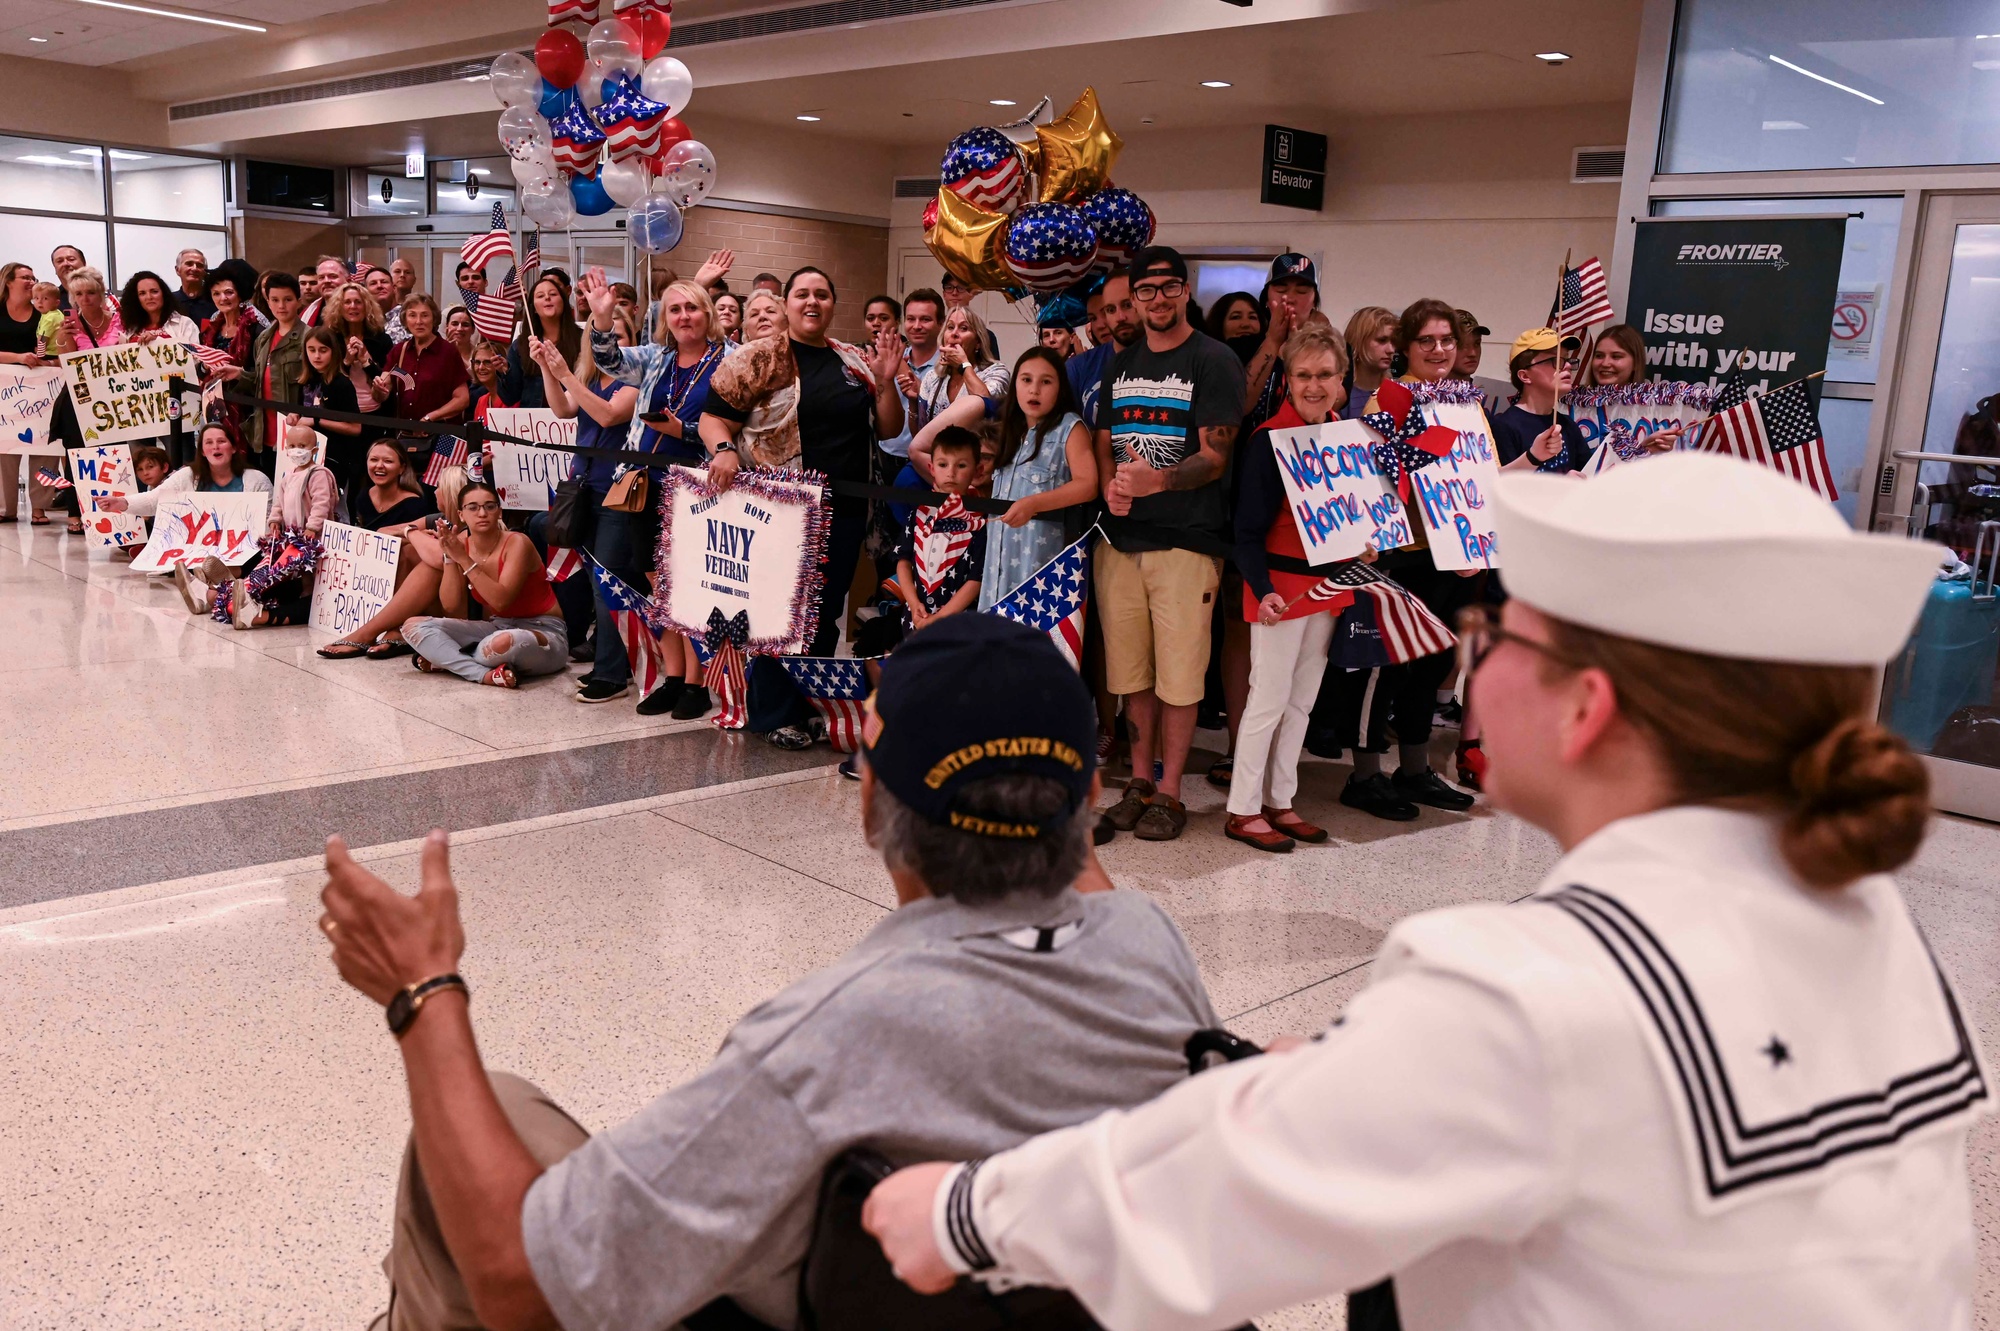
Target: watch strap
[(409, 1001)]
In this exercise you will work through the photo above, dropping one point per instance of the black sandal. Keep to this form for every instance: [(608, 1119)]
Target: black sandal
[(1221, 773), (389, 649), (332, 650)]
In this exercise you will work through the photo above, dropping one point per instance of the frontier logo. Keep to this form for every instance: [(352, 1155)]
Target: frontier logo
[(1755, 256)]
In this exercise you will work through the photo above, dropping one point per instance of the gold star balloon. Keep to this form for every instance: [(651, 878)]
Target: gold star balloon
[(1078, 152), (971, 243)]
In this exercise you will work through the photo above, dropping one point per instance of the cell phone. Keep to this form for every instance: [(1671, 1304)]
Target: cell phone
[(655, 417)]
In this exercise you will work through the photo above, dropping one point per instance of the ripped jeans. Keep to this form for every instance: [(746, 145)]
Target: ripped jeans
[(466, 647)]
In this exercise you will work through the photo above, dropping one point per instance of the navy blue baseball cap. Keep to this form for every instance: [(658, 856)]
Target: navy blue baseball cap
[(1294, 267), (976, 696)]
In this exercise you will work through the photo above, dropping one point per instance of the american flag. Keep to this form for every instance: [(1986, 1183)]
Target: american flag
[(50, 480), (564, 563), (983, 167), (1779, 430), (1053, 600), (1408, 629), (212, 357), (492, 316), (531, 254), (1585, 299), (641, 647), (448, 451), (837, 689), (495, 243)]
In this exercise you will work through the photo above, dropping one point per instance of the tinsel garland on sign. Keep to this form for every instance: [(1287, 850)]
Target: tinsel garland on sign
[(1440, 392), (788, 488), (290, 556), (1645, 393)]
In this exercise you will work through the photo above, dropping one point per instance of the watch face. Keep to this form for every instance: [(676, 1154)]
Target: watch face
[(400, 1012)]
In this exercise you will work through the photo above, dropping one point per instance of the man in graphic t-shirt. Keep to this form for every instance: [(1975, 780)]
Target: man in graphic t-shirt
[(1167, 416)]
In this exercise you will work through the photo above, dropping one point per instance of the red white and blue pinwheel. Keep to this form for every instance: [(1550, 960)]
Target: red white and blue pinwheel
[(1409, 443)]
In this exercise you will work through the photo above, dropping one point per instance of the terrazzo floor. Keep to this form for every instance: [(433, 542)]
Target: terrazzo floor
[(202, 1125)]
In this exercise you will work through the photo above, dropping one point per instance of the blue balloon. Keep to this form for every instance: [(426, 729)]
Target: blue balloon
[(556, 101), (589, 196), (655, 224)]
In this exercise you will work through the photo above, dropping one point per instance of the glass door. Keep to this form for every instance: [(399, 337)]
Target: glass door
[(1943, 693)]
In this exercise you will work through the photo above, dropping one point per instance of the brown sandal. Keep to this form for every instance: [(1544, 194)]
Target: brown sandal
[(1164, 819), (1238, 829), (1293, 826), (1125, 814)]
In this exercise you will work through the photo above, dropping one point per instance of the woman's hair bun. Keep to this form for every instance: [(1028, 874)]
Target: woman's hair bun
[(1861, 799)]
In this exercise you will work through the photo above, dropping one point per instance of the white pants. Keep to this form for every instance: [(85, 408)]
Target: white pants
[(1286, 662)]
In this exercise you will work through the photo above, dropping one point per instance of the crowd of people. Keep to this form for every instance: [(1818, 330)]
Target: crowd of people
[(1136, 413)]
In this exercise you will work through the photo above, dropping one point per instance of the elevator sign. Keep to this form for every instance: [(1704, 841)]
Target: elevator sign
[(1294, 168)]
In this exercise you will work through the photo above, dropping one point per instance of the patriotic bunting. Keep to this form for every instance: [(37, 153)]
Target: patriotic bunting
[(720, 648), (838, 691), (641, 647)]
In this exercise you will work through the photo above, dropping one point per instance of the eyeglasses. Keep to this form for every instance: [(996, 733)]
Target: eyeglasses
[(1479, 632), (1172, 289), (1437, 343), (479, 507)]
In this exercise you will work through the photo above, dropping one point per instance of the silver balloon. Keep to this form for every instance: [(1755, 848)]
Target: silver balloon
[(523, 132), (547, 203), (688, 173), (515, 80), (668, 80)]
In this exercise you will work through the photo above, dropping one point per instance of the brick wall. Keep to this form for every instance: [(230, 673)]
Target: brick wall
[(855, 256)]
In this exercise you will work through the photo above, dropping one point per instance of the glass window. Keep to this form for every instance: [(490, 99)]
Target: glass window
[(473, 187), (1791, 85), (55, 177), (383, 194), (164, 188), (1216, 278), (155, 248), (285, 185), (28, 239), (1854, 353)]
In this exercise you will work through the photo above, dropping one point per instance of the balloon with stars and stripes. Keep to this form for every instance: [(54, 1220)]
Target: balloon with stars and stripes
[(983, 167), (1051, 246), (1124, 223)]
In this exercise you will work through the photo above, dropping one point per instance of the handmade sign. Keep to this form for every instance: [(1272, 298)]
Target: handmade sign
[(527, 477), (1341, 501), (1645, 409), (27, 400), (754, 547), (106, 472), (196, 525), (121, 392), (356, 577), (1454, 495)]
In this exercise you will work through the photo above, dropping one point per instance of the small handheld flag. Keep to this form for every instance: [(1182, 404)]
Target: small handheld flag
[(1408, 629), (1779, 430), (493, 243), (1053, 599), (1584, 299)]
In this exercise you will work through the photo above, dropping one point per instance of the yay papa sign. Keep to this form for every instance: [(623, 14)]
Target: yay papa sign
[(191, 527)]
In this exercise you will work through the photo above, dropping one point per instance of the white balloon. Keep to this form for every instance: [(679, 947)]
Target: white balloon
[(688, 173), (523, 132), (536, 166), (515, 80), (624, 181), (668, 80), (612, 37), (548, 204)]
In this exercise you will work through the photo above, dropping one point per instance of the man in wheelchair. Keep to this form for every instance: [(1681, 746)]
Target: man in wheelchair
[(995, 1003)]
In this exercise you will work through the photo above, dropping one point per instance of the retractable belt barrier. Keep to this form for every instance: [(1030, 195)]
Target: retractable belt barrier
[(474, 433)]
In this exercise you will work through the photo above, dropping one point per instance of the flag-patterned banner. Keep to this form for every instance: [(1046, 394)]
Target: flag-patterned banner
[(1779, 430), (494, 243), (723, 668), (1052, 601), (1585, 299), (492, 316), (642, 649), (837, 687), (1409, 630), (448, 451), (564, 563)]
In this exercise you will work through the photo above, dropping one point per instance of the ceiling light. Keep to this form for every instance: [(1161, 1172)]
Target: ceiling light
[(1785, 124), (117, 154), (1986, 64), (38, 39), (1216, 83), (1821, 78), (810, 120), (481, 171), (1003, 101), (1552, 57), (50, 159), (169, 13)]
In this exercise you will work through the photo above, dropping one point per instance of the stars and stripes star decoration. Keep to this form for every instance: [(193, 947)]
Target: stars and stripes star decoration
[(983, 167), (1125, 225), (1377, 606), (631, 121), (1052, 600), (720, 648), (1051, 246), (837, 687), (576, 140), (493, 243), (1409, 442), (1584, 299), (1779, 430), (642, 649)]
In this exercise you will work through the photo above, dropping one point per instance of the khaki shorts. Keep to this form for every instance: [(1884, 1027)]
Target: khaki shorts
[(1156, 608)]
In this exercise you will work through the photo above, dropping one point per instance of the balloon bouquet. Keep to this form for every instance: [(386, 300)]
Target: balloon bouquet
[(593, 122), (985, 231)]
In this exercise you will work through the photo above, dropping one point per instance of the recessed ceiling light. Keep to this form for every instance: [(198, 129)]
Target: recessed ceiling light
[(38, 39), (481, 171), (1216, 83), (170, 13), (809, 119), (1552, 57), (1003, 101)]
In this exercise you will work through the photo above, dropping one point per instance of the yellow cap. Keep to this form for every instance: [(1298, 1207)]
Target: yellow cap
[(1542, 339)]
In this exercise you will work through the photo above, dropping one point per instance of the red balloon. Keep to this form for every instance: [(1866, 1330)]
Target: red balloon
[(560, 57), (655, 26), (930, 215)]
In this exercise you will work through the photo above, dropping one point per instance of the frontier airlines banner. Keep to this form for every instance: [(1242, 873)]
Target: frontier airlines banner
[(1754, 294)]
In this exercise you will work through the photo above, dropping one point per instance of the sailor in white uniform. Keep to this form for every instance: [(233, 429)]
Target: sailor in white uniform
[(1709, 1076)]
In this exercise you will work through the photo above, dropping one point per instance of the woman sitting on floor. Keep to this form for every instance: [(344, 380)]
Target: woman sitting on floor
[(523, 633), (419, 574), (220, 464), (392, 501)]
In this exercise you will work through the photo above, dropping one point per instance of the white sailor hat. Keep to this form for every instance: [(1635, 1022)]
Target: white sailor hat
[(1710, 554)]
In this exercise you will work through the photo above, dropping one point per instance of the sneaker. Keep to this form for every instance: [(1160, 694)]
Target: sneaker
[(1374, 795), (816, 727), (200, 597), (791, 738), (599, 691), (1124, 815), (1450, 714), (585, 681), (850, 767), (1427, 787), (583, 651), (663, 699), (693, 704)]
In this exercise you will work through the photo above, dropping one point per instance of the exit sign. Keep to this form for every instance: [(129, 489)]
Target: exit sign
[(413, 166), (1294, 168)]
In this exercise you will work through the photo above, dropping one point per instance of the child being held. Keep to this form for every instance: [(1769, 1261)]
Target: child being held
[(47, 298), (939, 563)]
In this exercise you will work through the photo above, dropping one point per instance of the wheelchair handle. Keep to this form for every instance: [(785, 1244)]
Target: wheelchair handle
[(1232, 1048)]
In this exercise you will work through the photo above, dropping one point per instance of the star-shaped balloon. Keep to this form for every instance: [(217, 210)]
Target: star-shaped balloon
[(630, 119), (971, 243), (576, 139), (1078, 152)]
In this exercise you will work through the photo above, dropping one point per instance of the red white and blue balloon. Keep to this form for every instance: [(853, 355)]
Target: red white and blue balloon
[(576, 139), (983, 167), (630, 119), (1124, 223), (1050, 246)]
